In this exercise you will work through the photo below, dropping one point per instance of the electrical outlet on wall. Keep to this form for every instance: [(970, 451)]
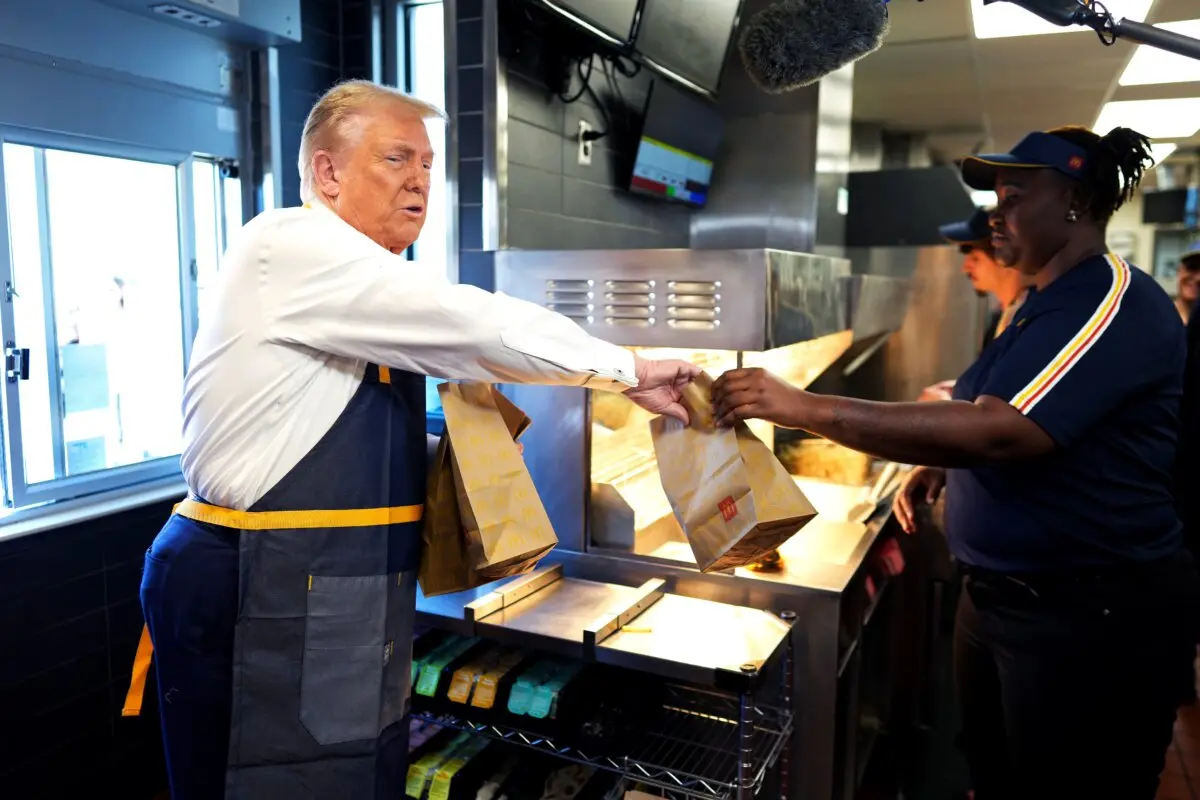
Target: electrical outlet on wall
[(585, 145)]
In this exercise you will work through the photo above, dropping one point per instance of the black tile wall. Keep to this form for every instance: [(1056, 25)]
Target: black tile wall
[(356, 55), (335, 45), (552, 201), (70, 620), (474, 265)]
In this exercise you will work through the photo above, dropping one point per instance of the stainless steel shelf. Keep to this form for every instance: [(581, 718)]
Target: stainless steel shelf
[(644, 629), (694, 752)]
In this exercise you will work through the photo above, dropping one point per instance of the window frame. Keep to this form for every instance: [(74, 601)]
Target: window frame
[(404, 78), (20, 493), (221, 219)]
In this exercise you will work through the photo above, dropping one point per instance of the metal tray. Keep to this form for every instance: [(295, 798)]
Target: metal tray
[(643, 629)]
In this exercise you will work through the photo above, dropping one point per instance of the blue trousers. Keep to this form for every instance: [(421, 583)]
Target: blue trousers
[(189, 598)]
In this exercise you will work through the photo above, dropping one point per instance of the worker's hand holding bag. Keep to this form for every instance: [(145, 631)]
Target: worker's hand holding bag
[(483, 517), (734, 500)]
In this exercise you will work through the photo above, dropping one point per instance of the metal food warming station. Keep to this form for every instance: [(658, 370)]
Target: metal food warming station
[(787, 639)]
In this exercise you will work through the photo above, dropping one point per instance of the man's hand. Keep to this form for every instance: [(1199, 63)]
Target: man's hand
[(923, 485), (661, 385), (742, 394), (937, 392)]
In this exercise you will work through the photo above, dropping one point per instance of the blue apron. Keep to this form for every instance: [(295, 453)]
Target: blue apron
[(325, 586)]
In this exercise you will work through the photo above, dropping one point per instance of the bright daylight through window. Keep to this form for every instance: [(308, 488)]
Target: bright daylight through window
[(425, 77), (423, 74), (102, 307)]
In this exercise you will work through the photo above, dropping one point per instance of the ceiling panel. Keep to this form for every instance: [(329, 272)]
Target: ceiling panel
[(1174, 10), (895, 85), (914, 21), (915, 60), (948, 147), (933, 75)]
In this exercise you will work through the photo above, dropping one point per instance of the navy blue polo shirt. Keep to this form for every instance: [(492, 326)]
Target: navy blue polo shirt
[(1096, 359)]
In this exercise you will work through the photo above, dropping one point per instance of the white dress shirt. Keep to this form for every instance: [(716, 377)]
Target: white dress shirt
[(303, 302)]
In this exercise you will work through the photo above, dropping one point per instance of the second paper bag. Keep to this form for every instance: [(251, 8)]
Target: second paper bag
[(734, 500), (504, 523), (446, 562)]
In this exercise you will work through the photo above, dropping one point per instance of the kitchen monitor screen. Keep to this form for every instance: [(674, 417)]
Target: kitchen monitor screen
[(680, 136)]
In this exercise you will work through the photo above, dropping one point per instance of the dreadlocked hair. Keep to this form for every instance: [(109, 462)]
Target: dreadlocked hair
[(1115, 165)]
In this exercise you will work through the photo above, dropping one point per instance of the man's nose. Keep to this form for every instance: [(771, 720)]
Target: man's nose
[(419, 181)]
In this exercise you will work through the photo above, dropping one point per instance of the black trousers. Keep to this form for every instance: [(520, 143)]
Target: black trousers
[(1069, 686)]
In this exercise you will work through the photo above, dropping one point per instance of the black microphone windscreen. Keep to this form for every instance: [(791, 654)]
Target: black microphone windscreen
[(795, 43)]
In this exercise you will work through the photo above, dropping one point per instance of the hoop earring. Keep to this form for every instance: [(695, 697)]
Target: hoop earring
[(1072, 216)]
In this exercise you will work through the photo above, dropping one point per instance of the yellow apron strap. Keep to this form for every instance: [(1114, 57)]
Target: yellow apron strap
[(141, 668), (293, 520)]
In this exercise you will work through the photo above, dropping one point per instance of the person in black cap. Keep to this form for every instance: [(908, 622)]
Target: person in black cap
[(1075, 631), (989, 278), (987, 275)]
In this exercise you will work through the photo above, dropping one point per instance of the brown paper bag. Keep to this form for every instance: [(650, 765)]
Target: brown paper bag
[(734, 500), (483, 518)]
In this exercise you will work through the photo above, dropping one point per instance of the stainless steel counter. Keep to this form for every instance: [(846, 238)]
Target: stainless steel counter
[(823, 583), (642, 628), (691, 639)]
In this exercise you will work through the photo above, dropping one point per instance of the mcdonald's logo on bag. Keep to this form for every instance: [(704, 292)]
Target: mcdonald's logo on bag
[(728, 508)]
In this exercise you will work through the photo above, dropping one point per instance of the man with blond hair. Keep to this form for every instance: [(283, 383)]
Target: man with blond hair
[(280, 596)]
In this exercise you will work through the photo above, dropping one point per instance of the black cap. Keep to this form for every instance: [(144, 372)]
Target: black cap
[(1191, 257), (969, 231)]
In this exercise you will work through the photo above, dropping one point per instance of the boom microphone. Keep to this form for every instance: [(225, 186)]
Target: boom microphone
[(795, 43), (1093, 14)]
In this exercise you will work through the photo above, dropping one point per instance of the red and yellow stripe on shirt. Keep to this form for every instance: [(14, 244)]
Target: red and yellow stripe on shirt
[(1080, 343)]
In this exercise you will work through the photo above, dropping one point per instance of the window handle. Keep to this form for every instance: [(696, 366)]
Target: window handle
[(16, 362)]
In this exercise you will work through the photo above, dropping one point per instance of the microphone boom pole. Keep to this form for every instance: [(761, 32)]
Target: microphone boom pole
[(1093, 14), (1157, 38)]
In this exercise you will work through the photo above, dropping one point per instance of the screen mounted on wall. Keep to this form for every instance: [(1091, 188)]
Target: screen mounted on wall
[(680, 137)]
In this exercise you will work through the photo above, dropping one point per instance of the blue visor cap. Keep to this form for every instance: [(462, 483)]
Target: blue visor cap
[(975, 229), (1036, 151)]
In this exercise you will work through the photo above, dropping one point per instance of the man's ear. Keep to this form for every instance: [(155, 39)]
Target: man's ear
[(325, 173)]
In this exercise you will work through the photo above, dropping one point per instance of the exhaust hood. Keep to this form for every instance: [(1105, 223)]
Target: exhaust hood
[(255, 23)]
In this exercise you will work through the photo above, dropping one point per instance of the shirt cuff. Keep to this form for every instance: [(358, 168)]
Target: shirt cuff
[(615, 370), (598, 364)]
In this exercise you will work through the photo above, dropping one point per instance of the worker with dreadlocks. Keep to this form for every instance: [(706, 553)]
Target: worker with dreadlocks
[(1074, 638)]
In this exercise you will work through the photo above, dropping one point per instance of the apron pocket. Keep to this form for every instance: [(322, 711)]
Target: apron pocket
[(341, 682)]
